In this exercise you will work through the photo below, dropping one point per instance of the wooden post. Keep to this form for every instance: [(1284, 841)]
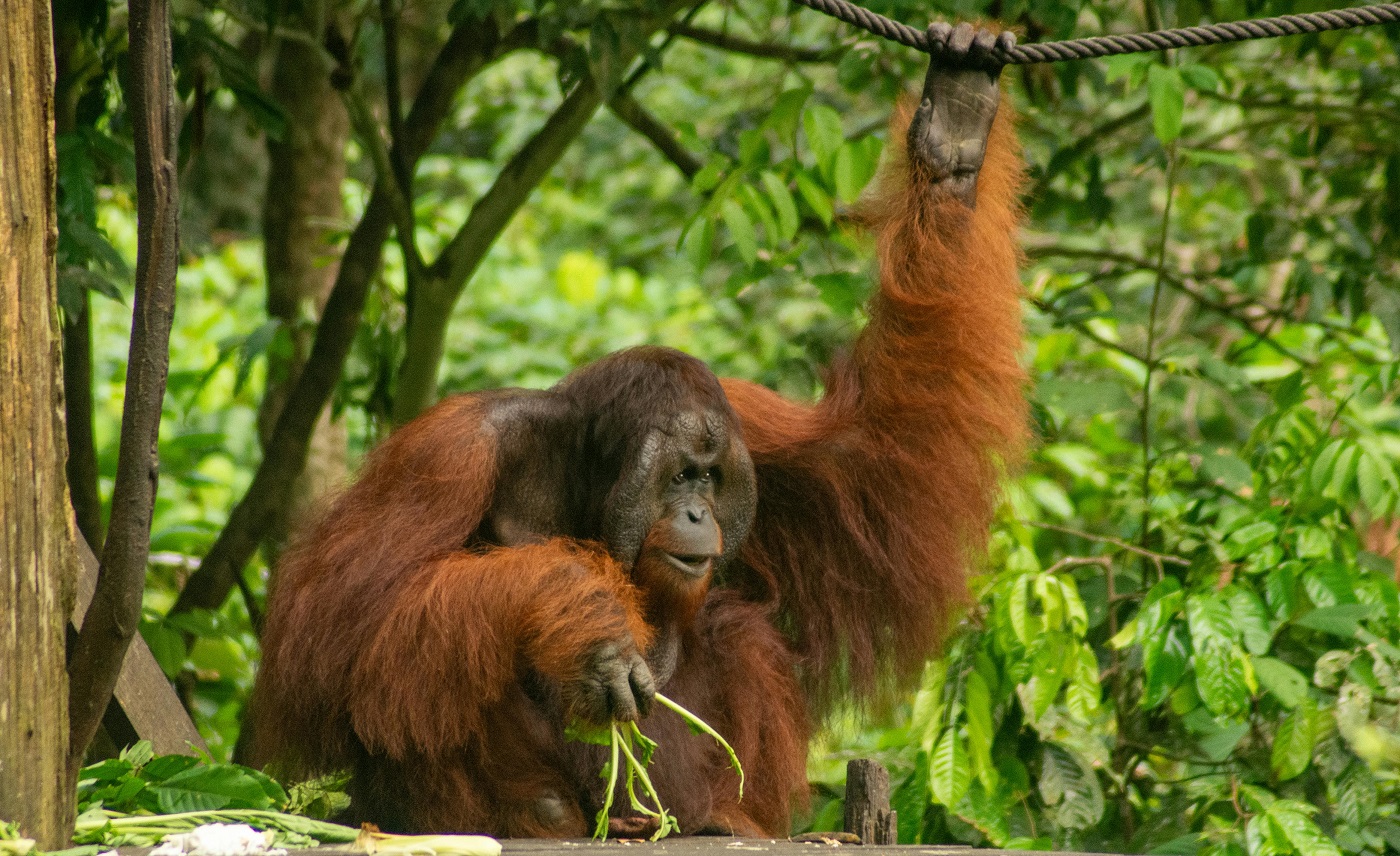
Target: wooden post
[(868, 812), (37, 559)]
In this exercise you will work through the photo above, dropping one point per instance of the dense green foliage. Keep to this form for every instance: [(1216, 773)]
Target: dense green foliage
[(1186, 638)]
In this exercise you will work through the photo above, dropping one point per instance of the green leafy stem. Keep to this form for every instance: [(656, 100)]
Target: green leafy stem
[(626, 742)]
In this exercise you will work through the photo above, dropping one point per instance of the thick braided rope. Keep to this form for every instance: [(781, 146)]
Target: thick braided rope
[(1096, 46)]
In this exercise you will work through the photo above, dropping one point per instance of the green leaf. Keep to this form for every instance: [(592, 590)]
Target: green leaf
[(756, 204), (1070, 787), (843, 292), (1200, 77), (1220, 678), (949, 775), (740, 229), (1302, 832), (1282, 681), (782, 118), (1331, 583), (1356, 795), (843, 174), (1252, 620), (157, 770), (166, 644), (1210, 620), (1249, 538), (1018, 606), (1320, 474), (710, 175), (853, 167), (1165, 657), (1160, 605), (783, 205), (203, 788), (815, 197), (910, 801), (1167, 94), (1343, 472), (1220, 744), (581, 731), (1374, 477), (700, 243), (253, 347), (977, 708), (1083, 692), (1341, 620), (89, 243), (824, 136), (238, 75), (1312, 542), (1293, 744)]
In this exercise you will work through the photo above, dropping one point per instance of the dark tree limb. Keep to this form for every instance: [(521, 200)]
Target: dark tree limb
[(749, 47), (448, 275), (470, 48), (388, 176), (627, 108), (115, 610), (389, 160), (77, 400)]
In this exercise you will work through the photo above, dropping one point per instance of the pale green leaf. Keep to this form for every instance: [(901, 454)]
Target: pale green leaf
[(1166, 92), (783, 204), (815, 197), (740, 229), (1293, 744), (1281, 680), (949, 775)]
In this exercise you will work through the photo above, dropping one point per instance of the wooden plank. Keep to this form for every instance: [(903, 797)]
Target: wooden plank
[(144, 705), (693, 846), (868, 812)]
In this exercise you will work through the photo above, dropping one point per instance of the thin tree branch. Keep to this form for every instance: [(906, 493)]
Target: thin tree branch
[(1080, 561), (470, 48), (1086, 330), (115, 610), (1182, 283), (387, 175), (763, 50), (627, 108), (1108, 539), (1085, 144), (1145, 420)]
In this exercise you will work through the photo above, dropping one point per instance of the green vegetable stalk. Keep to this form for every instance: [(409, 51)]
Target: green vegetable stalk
[(626, 742)]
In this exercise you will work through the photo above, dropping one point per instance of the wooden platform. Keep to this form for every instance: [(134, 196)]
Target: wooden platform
[(715, 846), (694, 846)]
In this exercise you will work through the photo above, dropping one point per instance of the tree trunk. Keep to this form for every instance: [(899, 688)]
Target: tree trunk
[(302, 217), (37, 558)]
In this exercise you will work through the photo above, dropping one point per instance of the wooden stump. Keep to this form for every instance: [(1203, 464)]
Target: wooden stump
[(868, 812)]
